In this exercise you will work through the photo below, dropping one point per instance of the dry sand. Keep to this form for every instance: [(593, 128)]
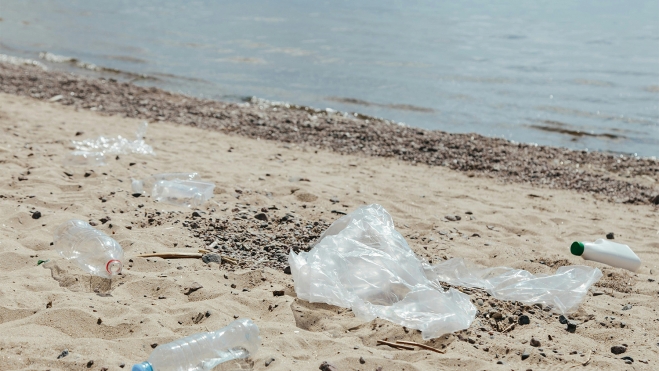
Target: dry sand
[(46, 309)]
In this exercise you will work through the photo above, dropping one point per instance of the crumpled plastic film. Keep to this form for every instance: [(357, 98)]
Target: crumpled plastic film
[(118, 144), (563, 291), (363, 263)]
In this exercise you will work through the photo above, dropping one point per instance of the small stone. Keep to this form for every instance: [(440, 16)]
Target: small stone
[(269, 361), (627, 307), (497, 315), (326, 366), (618, 349), (524, 320), (99, 321), (362, 360), (622, 324), (211, 258), (154, 345), (233, 285), (278, 293), (452, 218), (196, 214), (525, 354), (36, 215), (597, 293), (562, 319), (469, 213), (479, 302), (334, 199), (500, 363), (287, 270), (534, 342), (90, 363), (64, 353), (628, 360), (261, 216), (122, 365), (572, 326), (610, 235)]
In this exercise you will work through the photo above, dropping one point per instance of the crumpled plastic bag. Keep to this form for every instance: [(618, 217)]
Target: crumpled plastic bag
[(117, 145), (361, 262), (562, 291)]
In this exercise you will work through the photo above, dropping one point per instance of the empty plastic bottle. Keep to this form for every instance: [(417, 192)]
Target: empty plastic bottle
[(607, 252), (91, 249), (205, 350), (182, 192)]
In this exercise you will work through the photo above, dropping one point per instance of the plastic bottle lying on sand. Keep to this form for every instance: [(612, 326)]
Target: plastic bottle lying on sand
[(92, 250), (607, 252), (205, 350), (182, 192)]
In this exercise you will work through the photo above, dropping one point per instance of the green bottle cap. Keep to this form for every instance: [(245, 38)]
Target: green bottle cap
[(577, 248)]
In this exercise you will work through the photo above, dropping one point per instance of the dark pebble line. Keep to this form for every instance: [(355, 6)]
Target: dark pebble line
[(615, 177)]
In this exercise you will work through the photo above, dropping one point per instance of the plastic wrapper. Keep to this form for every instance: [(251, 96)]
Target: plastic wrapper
[(361, 262), (118, 144), (563, 291)]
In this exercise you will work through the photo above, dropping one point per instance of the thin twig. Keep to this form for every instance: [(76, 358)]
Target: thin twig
[(393, 345), (172, 255), (588, 360), (421, 346)]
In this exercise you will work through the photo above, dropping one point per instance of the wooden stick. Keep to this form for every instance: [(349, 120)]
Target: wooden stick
[(172, 255), (393, 345), (422, 346)]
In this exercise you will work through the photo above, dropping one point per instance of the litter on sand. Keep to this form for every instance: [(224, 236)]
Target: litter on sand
[(361, 262), (182, 189)]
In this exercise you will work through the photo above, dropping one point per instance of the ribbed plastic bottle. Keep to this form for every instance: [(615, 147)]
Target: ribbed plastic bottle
[(607, 252), (205, 350), (92, 250)]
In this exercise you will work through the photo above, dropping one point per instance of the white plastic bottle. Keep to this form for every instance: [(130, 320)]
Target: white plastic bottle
[(182, 192), (205, 350), (607, 252), (91, 249)]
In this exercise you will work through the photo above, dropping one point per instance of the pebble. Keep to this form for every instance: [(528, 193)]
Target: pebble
[(36, 215), (154, 345), (500, 363), (627, 307), (287, 270), (269, 361), (362, 360), (572, 326), (524, 320), (525, 354), (193, 287), (562, 319), (610, 235), (64, 353), (628, 360), (211, 258), (90, 363), (122, 365), (261, 216), (326, 366), (278, 293), (453, 218), (479, 302), (534, 342), (618, 349)]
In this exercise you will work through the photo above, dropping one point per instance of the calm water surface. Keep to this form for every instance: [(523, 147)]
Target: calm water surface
[(564, 73)]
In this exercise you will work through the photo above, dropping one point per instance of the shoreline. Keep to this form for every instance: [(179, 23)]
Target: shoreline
[(620, 179)]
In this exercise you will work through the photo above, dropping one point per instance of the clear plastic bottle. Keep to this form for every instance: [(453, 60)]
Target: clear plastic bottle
[(91, 249), (205, 350), (182, 192), (84, 158), (607, 252)]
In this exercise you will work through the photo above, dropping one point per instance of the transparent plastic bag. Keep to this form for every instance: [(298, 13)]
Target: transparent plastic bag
[(117, 145), (563, 291), (361, 262)]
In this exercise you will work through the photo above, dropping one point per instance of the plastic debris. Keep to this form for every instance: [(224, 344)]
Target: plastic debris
[(92, 250), (205, 350), (607, 252), (361, 262), (563, 291), (93, 152)]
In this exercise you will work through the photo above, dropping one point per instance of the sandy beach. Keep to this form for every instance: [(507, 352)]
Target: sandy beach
[(302, 183)]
